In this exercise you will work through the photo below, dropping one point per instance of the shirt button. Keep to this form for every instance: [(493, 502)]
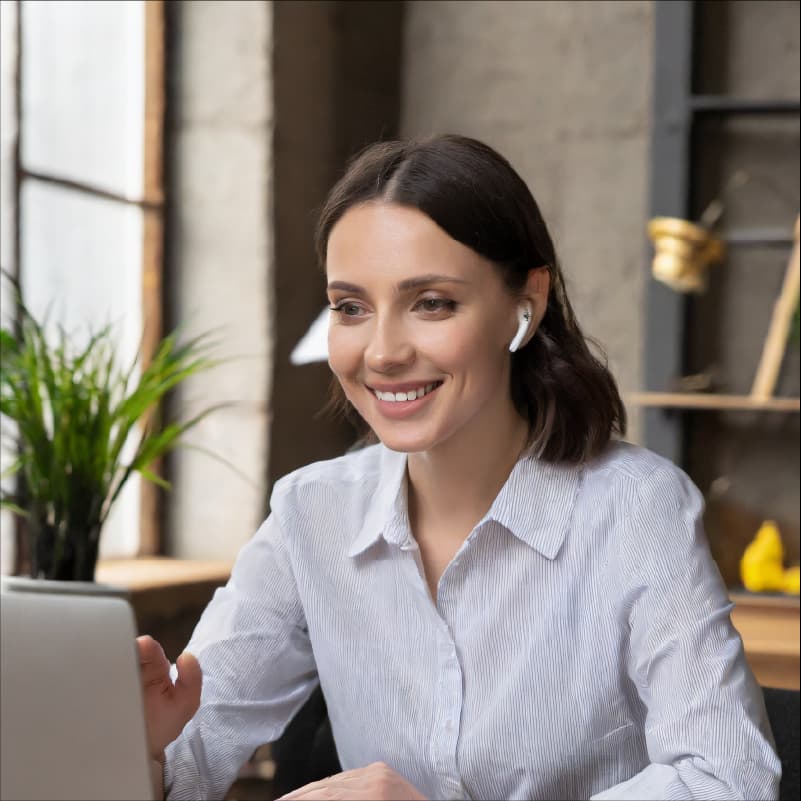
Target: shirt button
[(448, 724)]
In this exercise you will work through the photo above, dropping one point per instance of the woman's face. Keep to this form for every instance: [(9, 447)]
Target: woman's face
[(420, 333)]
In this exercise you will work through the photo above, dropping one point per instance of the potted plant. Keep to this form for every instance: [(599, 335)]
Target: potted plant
[(69, 414)]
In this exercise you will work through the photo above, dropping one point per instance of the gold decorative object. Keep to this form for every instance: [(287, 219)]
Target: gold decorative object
[(683, 252)]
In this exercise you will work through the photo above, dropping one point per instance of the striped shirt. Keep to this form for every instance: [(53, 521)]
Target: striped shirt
[(580, 645)]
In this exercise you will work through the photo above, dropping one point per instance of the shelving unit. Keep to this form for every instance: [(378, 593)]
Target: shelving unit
[(761, 397), (712, 401), (676, 109), (768, 624)]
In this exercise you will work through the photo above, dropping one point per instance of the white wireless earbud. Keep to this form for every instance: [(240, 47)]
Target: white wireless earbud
[(524, 316)]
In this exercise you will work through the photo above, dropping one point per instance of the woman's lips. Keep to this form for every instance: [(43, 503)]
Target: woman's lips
[(396, 409)]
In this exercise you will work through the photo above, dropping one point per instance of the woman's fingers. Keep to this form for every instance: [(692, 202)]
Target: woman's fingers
[(376, 782), (189, 682), (168, 706), (153, 663)]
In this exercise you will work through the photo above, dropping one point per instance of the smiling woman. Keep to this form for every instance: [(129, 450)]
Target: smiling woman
[(403, 207), (497, 599), (397, 330)]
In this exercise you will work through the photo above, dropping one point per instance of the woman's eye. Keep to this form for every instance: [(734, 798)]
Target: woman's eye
[(436, 305), (347, 309)]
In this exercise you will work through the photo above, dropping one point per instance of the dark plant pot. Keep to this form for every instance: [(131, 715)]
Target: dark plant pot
[(70, 556)]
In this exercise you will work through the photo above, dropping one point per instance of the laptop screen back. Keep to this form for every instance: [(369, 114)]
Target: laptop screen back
[(71, 713)]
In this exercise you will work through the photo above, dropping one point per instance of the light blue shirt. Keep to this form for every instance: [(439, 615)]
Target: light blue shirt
[(580, 645)]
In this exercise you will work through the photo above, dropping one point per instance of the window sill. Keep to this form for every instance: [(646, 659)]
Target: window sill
[(160, 572), (167, 595)]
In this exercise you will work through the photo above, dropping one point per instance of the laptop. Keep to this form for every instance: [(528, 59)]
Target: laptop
[(72, 720)]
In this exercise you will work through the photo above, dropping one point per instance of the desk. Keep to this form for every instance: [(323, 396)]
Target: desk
[(769, 626)]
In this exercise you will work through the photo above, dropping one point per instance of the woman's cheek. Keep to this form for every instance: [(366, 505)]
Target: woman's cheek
[(452, 346), (340, 355)]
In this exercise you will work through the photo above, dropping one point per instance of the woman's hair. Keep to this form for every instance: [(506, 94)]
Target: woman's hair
[(473, 194)]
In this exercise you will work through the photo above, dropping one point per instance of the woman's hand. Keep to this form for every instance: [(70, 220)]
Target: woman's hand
[(168, 707), (376, 782)]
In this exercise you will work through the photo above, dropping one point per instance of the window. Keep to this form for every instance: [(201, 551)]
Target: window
[(87, 204)]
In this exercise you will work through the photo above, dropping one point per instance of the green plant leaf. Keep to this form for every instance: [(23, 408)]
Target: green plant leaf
[(72, 414)]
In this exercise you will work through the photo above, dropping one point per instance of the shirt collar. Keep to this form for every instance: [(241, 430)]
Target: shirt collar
[(535, 504), (387, 514)]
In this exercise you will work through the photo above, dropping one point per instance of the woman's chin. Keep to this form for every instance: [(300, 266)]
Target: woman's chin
[(404, 442)]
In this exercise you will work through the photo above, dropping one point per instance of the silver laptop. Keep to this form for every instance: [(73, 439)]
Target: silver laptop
[(71, 712)]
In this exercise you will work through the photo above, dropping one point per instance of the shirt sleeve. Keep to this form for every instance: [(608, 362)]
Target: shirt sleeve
[(705, 725), (258, 669)]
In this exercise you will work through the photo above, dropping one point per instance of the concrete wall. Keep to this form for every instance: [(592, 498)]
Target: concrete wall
[(219, 262), (563, 90)]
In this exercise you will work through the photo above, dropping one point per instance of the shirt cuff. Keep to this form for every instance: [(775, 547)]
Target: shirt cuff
[(654, 783), (181, 777)]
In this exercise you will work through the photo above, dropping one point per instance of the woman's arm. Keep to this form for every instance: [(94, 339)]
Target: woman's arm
[(258, 669), (706, 728)]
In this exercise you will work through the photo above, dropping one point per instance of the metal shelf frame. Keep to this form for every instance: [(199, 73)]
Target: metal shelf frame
[(675, 110)]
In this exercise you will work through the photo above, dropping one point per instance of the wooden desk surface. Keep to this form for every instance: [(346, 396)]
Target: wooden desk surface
[(770, 628)]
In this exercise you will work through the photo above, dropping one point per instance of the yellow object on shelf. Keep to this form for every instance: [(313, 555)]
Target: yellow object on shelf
[(792, 580), (761, 566)]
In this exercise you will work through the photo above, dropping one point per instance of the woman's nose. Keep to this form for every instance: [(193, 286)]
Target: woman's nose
[(389, 348)]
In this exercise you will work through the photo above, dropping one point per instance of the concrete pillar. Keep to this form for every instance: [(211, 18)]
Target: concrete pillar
[(220, 263)]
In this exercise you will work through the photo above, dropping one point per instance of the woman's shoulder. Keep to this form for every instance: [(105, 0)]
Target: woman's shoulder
[(630, 460), (637, 473), (357, 469)]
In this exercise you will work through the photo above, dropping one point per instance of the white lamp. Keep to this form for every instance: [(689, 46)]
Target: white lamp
[(313, 345)]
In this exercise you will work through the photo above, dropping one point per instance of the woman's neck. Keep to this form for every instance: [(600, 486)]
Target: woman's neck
[(453, 486)]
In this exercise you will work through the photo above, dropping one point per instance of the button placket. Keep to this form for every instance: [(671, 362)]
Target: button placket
[(452, 693), (446, 731)]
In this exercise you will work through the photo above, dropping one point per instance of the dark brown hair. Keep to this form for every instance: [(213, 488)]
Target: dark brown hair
[(565, 392)]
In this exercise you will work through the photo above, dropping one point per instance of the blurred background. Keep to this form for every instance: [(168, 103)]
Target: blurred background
[(163, 162)]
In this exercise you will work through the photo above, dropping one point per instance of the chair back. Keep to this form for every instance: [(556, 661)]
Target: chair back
[(783, 713)]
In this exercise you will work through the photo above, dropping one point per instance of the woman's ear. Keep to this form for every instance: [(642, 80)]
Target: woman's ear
[(535, 292)]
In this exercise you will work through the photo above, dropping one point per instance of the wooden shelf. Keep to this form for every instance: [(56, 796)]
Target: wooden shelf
[(712, 401)]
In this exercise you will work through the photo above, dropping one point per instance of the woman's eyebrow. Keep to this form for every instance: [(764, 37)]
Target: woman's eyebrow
[(422, 280), (344, 286), (403, 286)]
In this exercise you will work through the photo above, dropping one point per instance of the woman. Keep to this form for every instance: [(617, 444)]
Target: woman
[(498, 600)]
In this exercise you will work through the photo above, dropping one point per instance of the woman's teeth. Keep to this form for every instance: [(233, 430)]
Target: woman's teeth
[(394, 397)]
